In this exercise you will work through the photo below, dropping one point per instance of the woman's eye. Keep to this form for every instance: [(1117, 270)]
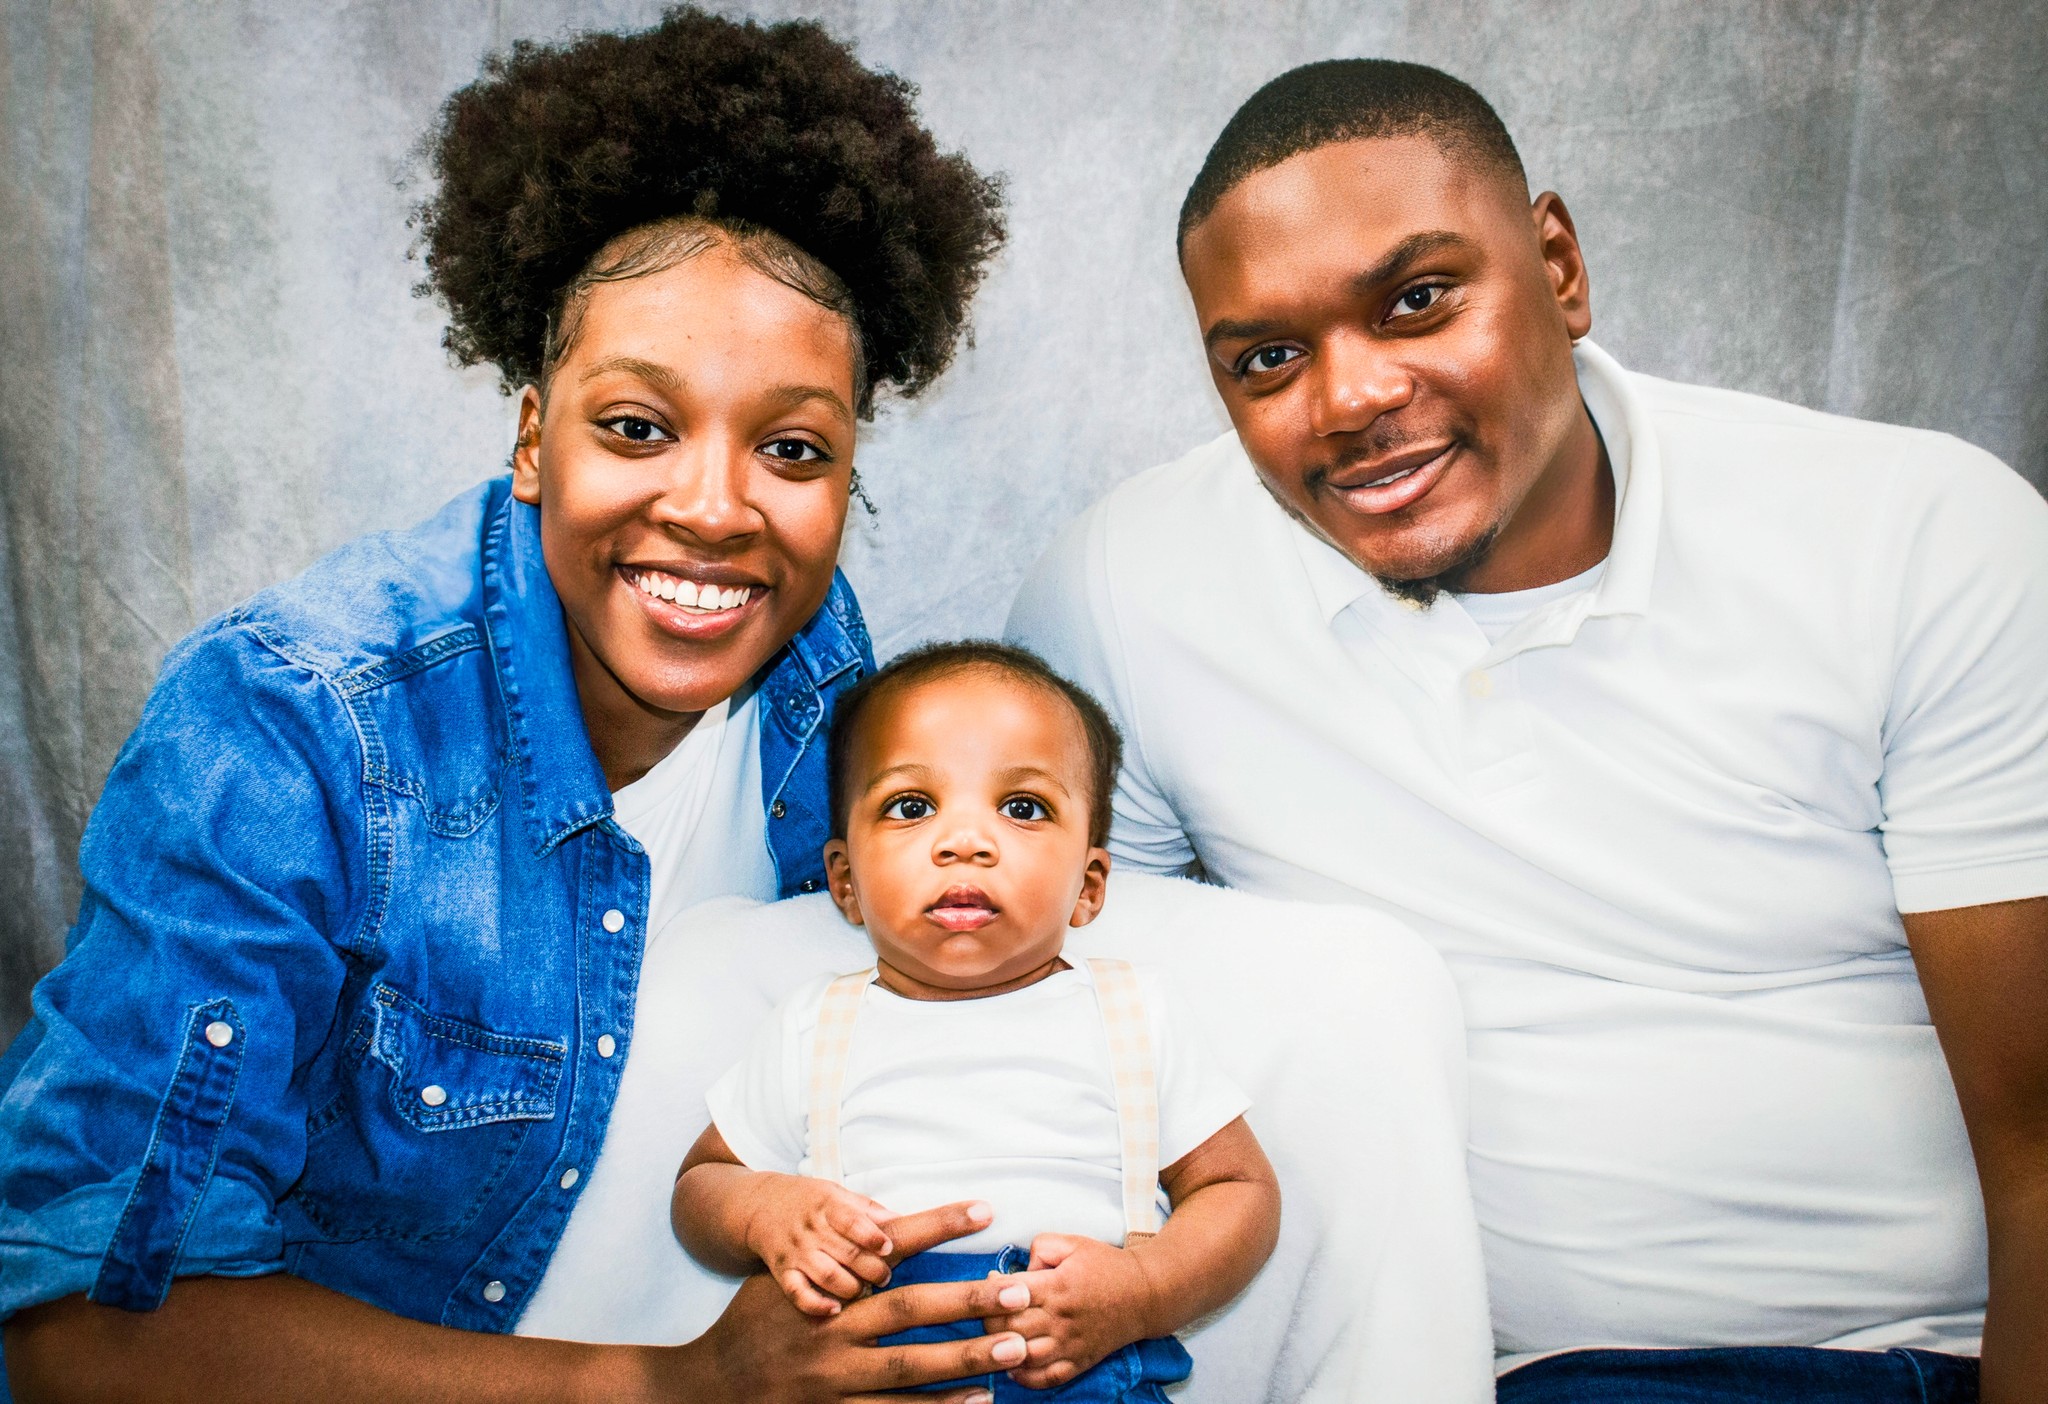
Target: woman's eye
[(1024, 809), (907, 807), (634, 429), (1417, 299), (1267, 358), (794, 451)]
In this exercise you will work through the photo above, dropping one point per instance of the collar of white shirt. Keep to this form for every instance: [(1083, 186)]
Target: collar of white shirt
[(1624, 586)]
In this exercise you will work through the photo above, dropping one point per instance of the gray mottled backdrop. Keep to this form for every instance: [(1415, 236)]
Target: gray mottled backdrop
[(212, 369)]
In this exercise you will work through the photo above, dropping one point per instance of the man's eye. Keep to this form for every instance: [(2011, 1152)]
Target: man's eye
[(635, 429), (1417, 299), (1023, 809), (907, 807), (1267, 358), (794, 450)]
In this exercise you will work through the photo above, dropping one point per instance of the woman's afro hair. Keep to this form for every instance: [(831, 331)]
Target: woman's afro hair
[(558, 149)]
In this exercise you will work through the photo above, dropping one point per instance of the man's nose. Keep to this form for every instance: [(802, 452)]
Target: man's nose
[(707, 493), (1353, 382)]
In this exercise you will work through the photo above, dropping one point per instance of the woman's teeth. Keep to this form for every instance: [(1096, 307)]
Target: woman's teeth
[(688, 594)]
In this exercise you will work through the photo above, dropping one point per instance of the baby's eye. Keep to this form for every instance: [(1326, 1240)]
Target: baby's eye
[(1023, 809), (634, 429), (907, 807)]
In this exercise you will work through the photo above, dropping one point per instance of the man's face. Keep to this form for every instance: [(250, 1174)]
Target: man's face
[(966, 853), (1390, 328)]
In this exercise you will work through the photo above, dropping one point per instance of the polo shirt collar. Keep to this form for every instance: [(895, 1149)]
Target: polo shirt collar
[(1632, 455)]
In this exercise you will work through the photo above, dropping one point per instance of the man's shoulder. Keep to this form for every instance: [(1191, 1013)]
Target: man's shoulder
[(381, 596), (1181, 511)]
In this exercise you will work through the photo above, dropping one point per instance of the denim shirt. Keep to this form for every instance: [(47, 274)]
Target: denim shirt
[(352, 981)]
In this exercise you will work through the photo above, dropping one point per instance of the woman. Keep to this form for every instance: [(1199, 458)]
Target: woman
[(366, 892)]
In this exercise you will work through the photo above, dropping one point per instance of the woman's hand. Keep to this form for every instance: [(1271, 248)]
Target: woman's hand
[(822, 1244)]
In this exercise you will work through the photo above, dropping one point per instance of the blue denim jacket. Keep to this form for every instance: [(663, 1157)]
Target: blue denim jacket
[(352, 981)]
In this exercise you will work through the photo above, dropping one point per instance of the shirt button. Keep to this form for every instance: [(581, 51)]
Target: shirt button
[(808, 885), (1479, 684), (776, 810), (606, 1045), (433, 1094), (570, 1177), (614, 920), (220, 1034), (494, 1291)]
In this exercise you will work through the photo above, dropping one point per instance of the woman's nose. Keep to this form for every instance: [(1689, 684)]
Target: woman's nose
[(707, 494), (1355, 381)]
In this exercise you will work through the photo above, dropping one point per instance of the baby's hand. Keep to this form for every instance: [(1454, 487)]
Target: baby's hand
[(1087, 1300), (824, 1245)]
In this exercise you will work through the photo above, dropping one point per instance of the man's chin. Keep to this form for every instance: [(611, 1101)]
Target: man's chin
[(1421, 588)]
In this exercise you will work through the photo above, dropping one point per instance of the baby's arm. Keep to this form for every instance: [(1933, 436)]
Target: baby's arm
[(823, 1244), (1089, 1299)]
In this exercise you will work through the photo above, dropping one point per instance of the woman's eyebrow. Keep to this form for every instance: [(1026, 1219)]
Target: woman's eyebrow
[(788, 397), (650, 371)]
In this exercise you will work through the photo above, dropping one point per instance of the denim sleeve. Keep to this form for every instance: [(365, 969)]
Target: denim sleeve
[(152, 1112)]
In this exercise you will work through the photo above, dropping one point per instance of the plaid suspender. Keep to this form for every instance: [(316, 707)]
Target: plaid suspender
[(1130, 1061)]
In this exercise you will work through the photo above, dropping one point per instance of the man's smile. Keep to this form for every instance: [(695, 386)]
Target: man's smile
[(1390, 482)]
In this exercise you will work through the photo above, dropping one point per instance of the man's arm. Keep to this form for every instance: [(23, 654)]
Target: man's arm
[(1985, 973), (220, 1340)]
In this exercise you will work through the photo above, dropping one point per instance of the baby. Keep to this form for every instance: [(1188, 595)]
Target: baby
[(970, 795)]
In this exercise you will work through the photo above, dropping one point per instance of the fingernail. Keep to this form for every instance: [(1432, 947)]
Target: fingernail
[(980, 1396), (1015, 1298), (1009, 1350), (980, 1213), (887, 1247)]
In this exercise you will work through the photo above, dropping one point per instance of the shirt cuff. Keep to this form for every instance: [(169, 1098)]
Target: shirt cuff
[(2006, 880)]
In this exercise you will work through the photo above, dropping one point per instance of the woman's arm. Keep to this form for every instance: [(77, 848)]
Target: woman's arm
[(222, 1340), (1089, 1299)]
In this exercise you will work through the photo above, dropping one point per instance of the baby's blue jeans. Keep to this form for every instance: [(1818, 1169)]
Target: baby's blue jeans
[(1132, 1375)]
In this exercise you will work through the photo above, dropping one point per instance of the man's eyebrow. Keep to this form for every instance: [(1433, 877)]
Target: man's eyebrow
[(1398, 258), (633, 365)]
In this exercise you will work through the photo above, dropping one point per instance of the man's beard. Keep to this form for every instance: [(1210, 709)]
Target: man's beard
[(1423, 591)]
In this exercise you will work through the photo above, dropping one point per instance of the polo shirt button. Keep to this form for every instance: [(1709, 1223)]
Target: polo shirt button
[(494, 1291), (220, 1033), (570, 1177), (614, 920), (777, 810), (606, 1045), (433, 1094), (1479, 684)]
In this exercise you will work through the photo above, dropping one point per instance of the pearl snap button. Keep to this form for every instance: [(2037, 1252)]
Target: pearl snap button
[(808, 885), (570, 1177), (614, 920), (433, 1094), (606, 1045), (219, 1034), (777, 810), (494, 1291), (1479, 684)]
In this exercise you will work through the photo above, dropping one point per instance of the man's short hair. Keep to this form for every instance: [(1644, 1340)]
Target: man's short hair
[(921, 665), (1348, 100)]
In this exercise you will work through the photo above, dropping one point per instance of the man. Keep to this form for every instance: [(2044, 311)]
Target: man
[(1686, 724)]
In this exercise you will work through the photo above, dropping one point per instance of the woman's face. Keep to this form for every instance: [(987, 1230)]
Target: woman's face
[(691, 465)]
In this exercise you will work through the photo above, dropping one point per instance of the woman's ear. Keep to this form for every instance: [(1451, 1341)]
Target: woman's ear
[(526, 448), (1094, 888), (839, 879)]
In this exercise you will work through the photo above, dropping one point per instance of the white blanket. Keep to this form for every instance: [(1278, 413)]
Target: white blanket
[(1341, 1025)]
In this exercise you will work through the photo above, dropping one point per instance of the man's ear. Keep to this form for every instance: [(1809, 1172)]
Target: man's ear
[(526, 448), (1094, 888), (1564, 261), (839, 881)]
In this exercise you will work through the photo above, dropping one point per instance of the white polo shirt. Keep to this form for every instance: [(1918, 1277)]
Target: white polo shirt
[(1661, 831)]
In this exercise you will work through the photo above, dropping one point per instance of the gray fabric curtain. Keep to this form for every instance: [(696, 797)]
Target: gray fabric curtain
[(212, 367)]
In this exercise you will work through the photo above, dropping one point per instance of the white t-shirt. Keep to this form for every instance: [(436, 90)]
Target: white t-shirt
[(1496, 614), (1006, 1099), (1661, 831), (698, 815)]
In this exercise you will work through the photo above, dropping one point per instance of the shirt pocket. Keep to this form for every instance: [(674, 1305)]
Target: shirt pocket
[(431, 1113)]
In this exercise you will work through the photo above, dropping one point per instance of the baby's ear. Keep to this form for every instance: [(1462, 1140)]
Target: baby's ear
[(1094, 888), (839, 879)]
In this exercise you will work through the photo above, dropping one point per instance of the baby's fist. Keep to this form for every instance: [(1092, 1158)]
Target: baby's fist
[(824, 1245)]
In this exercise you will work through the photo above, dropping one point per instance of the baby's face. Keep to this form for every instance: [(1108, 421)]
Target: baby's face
[(966, 853)]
